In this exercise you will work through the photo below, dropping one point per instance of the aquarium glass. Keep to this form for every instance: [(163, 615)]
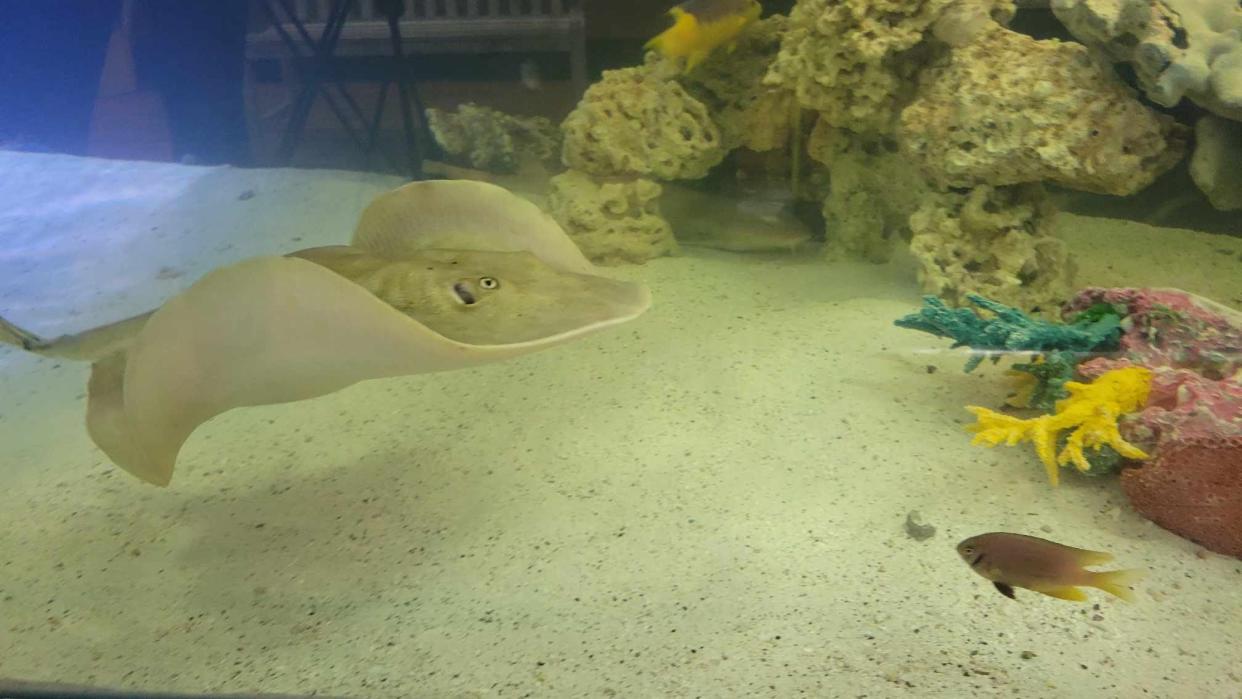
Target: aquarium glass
[(581, 348)]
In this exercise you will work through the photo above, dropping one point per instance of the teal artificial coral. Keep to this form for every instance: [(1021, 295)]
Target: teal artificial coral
[(997, 329), (1042, 380), (1011, 330)]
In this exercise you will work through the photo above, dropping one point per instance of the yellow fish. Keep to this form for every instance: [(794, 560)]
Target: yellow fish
[(1056, 570), (701, 26)]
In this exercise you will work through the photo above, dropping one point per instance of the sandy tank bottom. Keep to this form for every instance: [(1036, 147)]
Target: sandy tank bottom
[(705, 502)]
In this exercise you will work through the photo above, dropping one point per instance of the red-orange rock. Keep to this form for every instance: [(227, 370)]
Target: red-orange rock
[(1193, 489)]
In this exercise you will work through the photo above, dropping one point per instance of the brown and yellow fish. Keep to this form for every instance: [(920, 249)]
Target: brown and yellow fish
[(702, 26), (1056, 570)]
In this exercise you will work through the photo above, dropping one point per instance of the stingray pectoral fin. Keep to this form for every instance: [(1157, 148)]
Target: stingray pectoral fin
[(280, 329), (463, 215), (263, 331), (12, 335), (1066, 592), (105, 420)]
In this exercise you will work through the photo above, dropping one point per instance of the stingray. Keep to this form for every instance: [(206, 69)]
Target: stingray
[(439, 275)]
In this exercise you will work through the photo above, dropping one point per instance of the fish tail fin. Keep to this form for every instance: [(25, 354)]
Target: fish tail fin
[(1118, 582), (12, 335)]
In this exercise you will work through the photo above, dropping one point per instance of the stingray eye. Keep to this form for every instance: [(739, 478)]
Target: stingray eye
[(489, 283), (968, 550)]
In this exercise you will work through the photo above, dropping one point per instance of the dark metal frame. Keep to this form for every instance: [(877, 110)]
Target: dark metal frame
[(317, 81)]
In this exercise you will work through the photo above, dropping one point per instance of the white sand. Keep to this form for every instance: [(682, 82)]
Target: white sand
[(706, 502)]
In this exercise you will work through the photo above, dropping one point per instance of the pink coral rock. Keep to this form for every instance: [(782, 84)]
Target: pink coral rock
[(1171, 327), (1192, 421), (1182, 407)]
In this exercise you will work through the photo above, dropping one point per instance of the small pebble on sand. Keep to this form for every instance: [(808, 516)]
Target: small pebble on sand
[(916, 529)]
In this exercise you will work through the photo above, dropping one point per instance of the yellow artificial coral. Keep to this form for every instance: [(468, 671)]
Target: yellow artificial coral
[(1091, 410), (1025, 385)]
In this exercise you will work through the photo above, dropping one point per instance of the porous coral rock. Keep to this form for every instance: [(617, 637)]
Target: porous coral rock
[(1111, 25), (637, 122), (1214, 165), (963, 22), (1178, 48), (764, 124), (1171, 327), (492, 140), (853, 60), (730, 84), (873, 189), (611, 221), (992, 241), (1008, 109)]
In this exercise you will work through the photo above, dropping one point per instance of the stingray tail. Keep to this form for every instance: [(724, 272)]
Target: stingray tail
[(13, 335)]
